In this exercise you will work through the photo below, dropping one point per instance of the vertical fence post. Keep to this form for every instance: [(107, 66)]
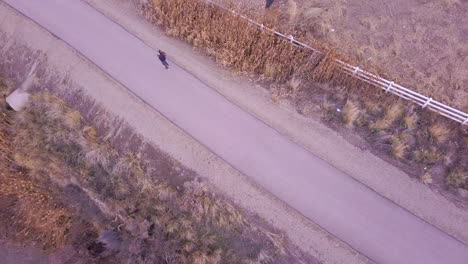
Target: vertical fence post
[(427, 102), (356, 69), (465, 122), (389, 87), (262, 27), (291, 38)]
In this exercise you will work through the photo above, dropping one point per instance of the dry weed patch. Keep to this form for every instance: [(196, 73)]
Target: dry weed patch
[(190, 222), (458, 178), (350, 113), (439, 132)]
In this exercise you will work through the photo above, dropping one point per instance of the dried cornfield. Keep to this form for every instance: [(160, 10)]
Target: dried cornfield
[(238, 45)]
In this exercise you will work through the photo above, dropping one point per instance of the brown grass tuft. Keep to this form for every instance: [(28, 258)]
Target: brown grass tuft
[(294, 84), (350, 113), (426, 178), (458, 178), (428, 155), (32, 213), (439, 132), (410, 120), (391, 115), (193, 224), (399, 146)]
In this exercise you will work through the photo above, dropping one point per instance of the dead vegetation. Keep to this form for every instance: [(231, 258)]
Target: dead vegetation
[(387, 34), (376, 115), (155, 219), (28, 212), (402, 130), (350, 113)]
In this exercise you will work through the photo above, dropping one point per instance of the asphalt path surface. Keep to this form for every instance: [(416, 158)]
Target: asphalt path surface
[(371, 224)]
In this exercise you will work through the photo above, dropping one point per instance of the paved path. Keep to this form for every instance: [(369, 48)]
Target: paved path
[(369, 223)]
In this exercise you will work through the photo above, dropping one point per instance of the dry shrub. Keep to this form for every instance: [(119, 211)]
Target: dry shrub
[(428, 156), (350, 113), (391, 115), (399, 146), (439, 132), (294, 84), (33, 214), (329, 109), (373, 107), (5, 144), (426, 178), (410, 120), (458, 178), (28, 212), (194, 225), (246, 48)]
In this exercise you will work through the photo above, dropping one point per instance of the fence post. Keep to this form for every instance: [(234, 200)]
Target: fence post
[(262, 27), (389, 87), (356, 69), (291, 38), (465, 122), (427, 102)]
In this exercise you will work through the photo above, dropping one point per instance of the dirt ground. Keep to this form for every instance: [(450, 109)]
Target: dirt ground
[(421, 44)]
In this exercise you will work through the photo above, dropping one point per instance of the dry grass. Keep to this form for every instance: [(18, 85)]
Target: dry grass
[(28, 212), (246, 49), (458, 178), (294, 84), (410, 120), (194, 225), (350, 113), (391, 115), (439, 132), (426, 178), (399, 146), (428, 156), (32, 214)]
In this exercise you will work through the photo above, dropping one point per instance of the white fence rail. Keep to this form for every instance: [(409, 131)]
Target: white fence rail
[(386, 85)]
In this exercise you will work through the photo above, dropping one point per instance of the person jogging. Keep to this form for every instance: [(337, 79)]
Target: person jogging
[(162, 58)]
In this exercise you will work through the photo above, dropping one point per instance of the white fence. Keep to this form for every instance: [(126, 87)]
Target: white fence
[(386, 85)]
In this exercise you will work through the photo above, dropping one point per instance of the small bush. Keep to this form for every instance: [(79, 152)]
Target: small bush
[(426, 178), (428, 156), (350, 113), (458, 178), (399, 147), (439, 132), (410, 120), (391, 115)]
